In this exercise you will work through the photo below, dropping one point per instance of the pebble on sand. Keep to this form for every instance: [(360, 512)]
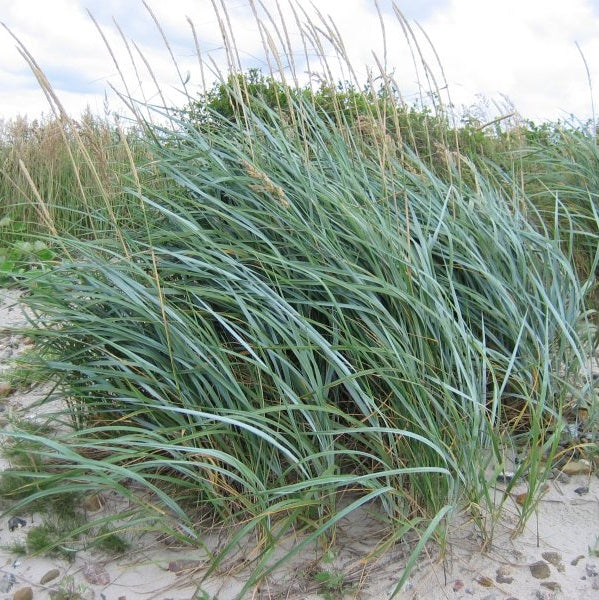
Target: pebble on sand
[(502, 575), (591, 570), (49, 576), (554, 586), (25, 593), (555, 558), (485, 581), (503, 578), (577, 467), (540, 570), (16, 523)]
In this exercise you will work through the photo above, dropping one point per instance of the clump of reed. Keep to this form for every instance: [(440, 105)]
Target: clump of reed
[(62, 176), (306, 308)]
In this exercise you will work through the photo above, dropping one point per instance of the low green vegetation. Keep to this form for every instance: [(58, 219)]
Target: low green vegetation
[(48, 539), (110, 542), (287, 297), (331, 585), (70, 589), (21, 256)]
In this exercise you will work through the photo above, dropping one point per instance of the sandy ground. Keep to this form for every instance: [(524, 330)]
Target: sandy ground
[(553, 558)]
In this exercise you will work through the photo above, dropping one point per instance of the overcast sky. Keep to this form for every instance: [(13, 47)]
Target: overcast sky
[(492, 52)]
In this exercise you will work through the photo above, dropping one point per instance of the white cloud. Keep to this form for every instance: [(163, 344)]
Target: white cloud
[(524, 49)]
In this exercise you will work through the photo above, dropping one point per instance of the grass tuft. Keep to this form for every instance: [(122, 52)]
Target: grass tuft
[(304, 311)]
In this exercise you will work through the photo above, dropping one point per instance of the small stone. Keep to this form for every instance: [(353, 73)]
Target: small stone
[(521, 498), (49, 576), (540, 570), (458, 585), (576, 560), (96, 574), (25, 593), (576, 467), (16, 523), (5, 389), (485, 581), (591, 570), (554, 586), (563, 478), (505, 477), (581, 491), (555, 558), (504, 579)]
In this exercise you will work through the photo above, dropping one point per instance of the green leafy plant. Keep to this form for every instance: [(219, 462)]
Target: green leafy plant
[(24, 256)]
